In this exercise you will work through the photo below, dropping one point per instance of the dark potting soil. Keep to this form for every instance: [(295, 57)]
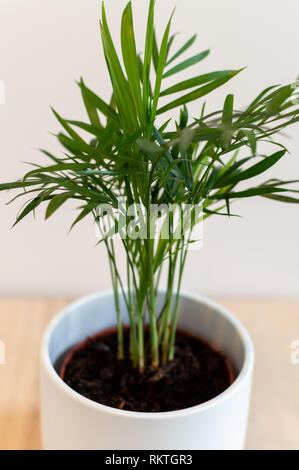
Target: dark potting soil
[(197, 374)]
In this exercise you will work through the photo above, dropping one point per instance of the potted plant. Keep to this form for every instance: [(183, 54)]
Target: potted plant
[(140, 367)]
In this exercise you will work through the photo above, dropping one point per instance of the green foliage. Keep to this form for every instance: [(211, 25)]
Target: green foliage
[(191, 161)]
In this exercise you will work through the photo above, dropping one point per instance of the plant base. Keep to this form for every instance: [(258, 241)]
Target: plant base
[(197, 374)]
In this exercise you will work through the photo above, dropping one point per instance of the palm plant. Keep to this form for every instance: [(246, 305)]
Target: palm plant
[(186, 162)]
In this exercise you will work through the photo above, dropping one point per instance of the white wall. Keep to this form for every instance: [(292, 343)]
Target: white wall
[(46, 45)]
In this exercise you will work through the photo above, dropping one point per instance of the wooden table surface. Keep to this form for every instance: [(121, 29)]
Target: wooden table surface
[(274, 415)]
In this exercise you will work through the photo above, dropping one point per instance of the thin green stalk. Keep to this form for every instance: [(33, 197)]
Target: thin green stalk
[(167, 329), (130, 312), (151, 299), (158, 277), (130, 309), (176, 307), (167, 305), (140, 343), (117, 274), (120, 333), (133, 298)]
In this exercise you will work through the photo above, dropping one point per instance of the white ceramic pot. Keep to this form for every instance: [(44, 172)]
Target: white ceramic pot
[(71, 421)]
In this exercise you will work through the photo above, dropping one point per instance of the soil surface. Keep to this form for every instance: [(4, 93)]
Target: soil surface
[(197, 374)]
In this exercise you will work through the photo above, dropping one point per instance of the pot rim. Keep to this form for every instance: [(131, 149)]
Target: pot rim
[(231, 390)]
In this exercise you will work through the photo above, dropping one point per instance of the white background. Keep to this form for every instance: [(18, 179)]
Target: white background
[(45, 46)]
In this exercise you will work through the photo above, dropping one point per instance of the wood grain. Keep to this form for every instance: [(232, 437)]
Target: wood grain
[(274, 416)]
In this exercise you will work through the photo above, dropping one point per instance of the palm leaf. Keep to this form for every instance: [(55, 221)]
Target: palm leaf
[(183, 49), (199, 93), (186, 63)]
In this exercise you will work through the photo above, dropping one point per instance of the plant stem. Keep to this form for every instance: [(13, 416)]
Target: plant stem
[(128, 305), (176, 307), (151, 298), (140, 344), (167, 328), (120, 333)]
